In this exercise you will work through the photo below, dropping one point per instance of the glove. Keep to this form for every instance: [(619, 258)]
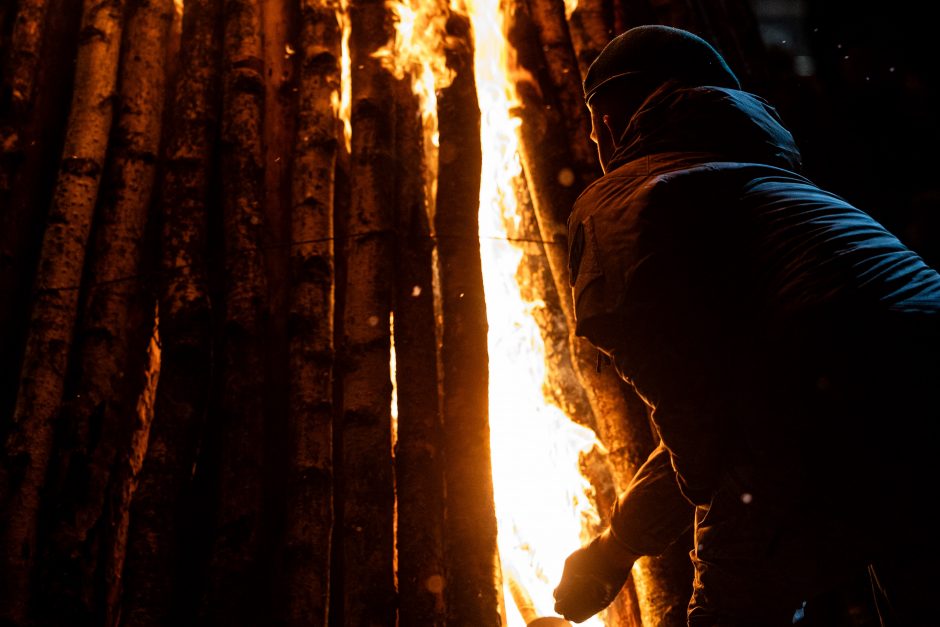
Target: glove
[(592, 577)]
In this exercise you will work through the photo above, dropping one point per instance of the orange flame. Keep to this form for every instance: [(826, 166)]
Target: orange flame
[(543, 503)]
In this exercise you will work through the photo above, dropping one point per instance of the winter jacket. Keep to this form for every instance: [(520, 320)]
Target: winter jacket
[(787, 344)]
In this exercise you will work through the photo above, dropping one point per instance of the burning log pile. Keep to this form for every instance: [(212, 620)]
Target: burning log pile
[(231, 233)]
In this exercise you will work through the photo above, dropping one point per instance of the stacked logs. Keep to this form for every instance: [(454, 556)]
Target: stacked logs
[(200, 281)]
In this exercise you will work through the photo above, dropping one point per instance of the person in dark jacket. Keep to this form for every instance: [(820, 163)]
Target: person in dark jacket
[(787, 345)]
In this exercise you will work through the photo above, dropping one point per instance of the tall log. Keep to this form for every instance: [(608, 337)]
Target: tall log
[(31, 142), (472, 590), (419, 470), (309, 530), (111, 342), (235, 572), (280, 27), (563, 90), (154, 576), (368, 509), (27, 447)]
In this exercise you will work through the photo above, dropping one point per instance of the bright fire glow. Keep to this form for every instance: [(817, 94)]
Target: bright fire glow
[(542, 503)]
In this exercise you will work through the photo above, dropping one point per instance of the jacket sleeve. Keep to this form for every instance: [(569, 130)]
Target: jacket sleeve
[(652, 513)]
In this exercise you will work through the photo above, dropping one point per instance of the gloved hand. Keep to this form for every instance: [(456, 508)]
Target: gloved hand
[(592, 577)]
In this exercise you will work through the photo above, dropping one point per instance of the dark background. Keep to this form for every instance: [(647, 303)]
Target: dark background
[(857, 84)]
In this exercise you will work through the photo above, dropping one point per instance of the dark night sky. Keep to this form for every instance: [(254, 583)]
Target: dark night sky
[(857, 83)]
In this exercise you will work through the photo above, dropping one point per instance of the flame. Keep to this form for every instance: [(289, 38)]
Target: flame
[(542, 501), (345, 100), (543, 506)]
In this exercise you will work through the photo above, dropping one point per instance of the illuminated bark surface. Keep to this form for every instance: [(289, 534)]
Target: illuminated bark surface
[(196, 284)]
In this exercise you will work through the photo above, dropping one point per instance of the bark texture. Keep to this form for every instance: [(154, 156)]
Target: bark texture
[(368, 534), (111, 342), (562, 91), (28, 446), (25, 50), (155, 576), (310, 529), (471, 590), (31, 141), (419, 470), (236, 563)]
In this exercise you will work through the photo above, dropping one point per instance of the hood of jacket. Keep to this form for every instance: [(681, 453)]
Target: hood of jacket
[(727, 124)]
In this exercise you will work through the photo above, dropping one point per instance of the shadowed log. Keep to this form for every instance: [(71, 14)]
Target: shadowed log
[(591, 26), (471, 589), (28, 446), (31, 142), (368, 532), (236, 562), (419, 470), (24, 52), (124, 484), (309, 531), (98, 417), (155, 570), (563, 88)]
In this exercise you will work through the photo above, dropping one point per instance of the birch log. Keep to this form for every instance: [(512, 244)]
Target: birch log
[(368, 509), (30, 149), (419, 471), (111, 343), (472, 590), (28, 446), (563, 90), (236, 562), (591, 25), (154, 573), (309, 533)]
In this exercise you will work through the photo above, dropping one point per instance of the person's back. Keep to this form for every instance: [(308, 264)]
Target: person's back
[(788, 345)]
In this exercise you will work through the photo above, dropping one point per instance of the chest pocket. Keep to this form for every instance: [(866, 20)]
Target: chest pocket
[(591, 291)]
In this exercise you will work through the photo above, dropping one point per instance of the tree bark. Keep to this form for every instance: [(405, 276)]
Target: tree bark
[(154, 574), (111, 342), (25, 51), (27, 448), (31, 144), (591, 25), (123, 487), (309, 531), (563, 89), (419, 470), (472, 590), (368, 538), (236, 565)]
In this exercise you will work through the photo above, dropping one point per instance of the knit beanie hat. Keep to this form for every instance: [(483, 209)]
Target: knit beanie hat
[(655, 52)]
